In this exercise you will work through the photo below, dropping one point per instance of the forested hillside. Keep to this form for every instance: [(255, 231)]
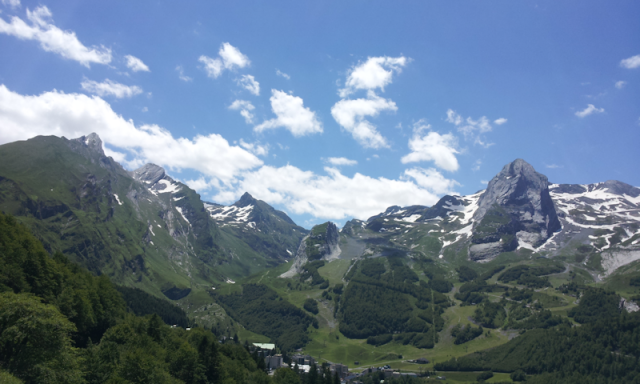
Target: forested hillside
[(60, 324)]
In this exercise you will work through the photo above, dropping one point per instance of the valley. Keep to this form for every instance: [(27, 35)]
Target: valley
[(452, 281)]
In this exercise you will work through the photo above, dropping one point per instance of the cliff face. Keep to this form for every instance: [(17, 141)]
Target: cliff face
[(320, 244), (516, 209)]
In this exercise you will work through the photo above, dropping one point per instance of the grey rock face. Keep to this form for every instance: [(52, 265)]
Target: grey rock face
[(516, 207), (149, 173)]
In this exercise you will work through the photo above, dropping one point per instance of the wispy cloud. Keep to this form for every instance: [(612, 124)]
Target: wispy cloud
[(553, 166), (245, 108), (282, 74), (53, 39), (620, 84), (181, 74), (591, 109), (110, 88), (136, 64), (337, 161), (249, 83), (473, 129), (11, 3)]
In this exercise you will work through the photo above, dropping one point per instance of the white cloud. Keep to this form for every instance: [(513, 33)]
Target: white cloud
[(73, 115), (11, 3), (136, 64), (477, 165), (230, 57), (500, 121), (441, 149), (255, 148), (432, 180), (485, 182), (376, 72), (337, 161), (181, 74), (589, 110), (110, 88), (282, 74), (620, 84), (350, 115), (631, 63), (213, 67), (472, 129), (553, 166), (53, 39), (249, 83), (333, 195), (245, 108), (291, 114)]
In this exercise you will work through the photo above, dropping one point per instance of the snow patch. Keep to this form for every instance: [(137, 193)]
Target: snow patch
[(151, 229), (168, 186), (117, 199), (179, 209), (412, 218)]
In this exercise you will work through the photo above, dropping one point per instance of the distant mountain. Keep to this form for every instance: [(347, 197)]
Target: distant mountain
[(266, 230), (320, 244), (141, 228), (520, 212)]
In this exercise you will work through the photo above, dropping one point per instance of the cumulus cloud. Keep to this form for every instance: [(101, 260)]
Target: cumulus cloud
[(110, 88), (53, 39), (591, 109), (11, 3), (500, 121), (249, 83), (282, 74), (631, 63), (73, 115), (245, 108), (338, 161), (432, 180), (472, 129), (135, 64), (376, 72), (181, 74), (350, 114), (290, 114), (333, 195), (620, 84), (230, 57), (441, 149)]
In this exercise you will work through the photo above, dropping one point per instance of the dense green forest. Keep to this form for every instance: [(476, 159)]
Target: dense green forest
[(141, 303), (60, 324), (377, 303), (261, 310), (605, 349)]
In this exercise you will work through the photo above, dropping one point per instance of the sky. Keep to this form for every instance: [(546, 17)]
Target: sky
[(331, 110)]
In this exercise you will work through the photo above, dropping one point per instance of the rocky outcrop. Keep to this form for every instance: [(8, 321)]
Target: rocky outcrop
[(516, 209), (320, 244)]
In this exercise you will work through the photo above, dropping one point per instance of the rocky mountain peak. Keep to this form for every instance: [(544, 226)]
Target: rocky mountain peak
[(149, 173), (92, 141), (515, 209), (245, 200)]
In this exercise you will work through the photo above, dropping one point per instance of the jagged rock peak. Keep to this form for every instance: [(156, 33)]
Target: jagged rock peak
[(92, 141), (515, 210), (149, 173), (245, 200), (516, 182)]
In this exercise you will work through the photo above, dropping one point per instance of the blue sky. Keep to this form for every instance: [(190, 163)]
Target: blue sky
[(332, 110)]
